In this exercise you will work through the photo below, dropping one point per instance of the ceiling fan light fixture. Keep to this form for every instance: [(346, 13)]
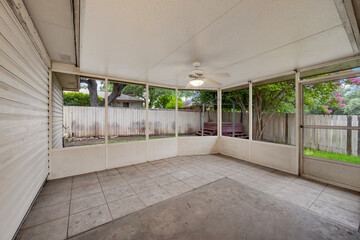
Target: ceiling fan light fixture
[(197, 82)]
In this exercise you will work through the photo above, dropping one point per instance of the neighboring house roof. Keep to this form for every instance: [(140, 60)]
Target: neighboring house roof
[(123, 97), (187, 103)]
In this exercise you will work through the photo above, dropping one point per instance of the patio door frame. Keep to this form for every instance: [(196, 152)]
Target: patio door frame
[(302, 126)]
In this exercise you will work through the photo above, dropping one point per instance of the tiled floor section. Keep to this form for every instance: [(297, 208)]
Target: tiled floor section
[(69, 206)]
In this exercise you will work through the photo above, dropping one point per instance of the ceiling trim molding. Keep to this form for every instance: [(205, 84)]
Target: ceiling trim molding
[(348, 19), (313, 67), (72, 69), (22, 15), (76, 22)]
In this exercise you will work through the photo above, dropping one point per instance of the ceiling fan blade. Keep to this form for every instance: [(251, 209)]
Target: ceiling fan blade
[(212, 82), (218, 75)]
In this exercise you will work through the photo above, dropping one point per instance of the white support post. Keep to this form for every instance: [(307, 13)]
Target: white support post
[(202, 119), (250, 112), (176, 121), (233, 119), (250, 118), (298, 103), (176, 113), (147, 113), (106, 124), (219, 113), (147, 121)]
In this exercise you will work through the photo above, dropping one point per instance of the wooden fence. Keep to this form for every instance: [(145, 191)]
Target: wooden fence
[(90, 121), (330, 140), (333, 140), (82, 122)]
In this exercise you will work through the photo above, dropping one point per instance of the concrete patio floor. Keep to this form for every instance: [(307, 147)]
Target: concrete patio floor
[(70, 206), (223, 210)]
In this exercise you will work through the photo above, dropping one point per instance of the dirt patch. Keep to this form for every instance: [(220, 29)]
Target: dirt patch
[(75, 142)]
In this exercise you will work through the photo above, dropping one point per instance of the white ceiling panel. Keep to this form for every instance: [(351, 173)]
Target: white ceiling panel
[(126, 38), (320, 48), (155, 41)]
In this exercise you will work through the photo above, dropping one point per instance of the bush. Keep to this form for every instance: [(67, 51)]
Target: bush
[(77, 99)]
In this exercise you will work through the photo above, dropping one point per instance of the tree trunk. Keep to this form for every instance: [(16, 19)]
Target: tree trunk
[(92, 86)]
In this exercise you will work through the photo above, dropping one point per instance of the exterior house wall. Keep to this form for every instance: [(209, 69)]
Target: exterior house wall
[(24, 121), (57, 113)]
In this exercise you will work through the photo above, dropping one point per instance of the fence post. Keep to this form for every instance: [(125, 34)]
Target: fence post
[(348, 136)]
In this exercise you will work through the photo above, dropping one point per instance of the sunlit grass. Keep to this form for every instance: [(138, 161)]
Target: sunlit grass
[(331, 155)]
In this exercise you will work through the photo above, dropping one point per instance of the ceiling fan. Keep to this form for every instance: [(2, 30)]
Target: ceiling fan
[(198, 77)]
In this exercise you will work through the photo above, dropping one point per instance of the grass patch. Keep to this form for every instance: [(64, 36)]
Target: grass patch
[(159, 137), (331, 155), (127, 140)]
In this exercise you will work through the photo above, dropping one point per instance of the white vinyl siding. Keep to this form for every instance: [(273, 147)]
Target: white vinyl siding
[(57, 113), (23, 122)]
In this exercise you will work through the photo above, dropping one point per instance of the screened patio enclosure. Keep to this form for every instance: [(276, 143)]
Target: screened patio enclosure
[(97, 96)]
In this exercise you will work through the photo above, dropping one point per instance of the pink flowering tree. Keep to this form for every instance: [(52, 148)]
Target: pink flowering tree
[(328, 97)]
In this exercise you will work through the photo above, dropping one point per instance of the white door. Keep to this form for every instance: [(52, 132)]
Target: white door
[(330, 129)]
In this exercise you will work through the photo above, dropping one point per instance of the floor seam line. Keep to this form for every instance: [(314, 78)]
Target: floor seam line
[(102, 191), (316, 198), (68, 222)]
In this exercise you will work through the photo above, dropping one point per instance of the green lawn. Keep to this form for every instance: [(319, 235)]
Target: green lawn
[(331, 155)]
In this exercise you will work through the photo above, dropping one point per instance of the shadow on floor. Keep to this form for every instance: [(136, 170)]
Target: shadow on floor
[(224, 209)]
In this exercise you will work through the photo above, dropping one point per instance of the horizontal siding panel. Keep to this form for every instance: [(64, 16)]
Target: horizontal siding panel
[(57, 113), (12, 53), (14, 95), (14, 67), (23, 122), (8, 78), (15, 35)]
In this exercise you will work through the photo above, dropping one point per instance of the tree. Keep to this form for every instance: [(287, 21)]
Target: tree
[(162, 101), (208, 98), (139, 91), (92, 85), (269, 99), (155, 94), (319, 98), (172, 103), (350, 101), (136, 91)]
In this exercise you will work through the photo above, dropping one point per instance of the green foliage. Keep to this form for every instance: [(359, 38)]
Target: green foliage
[(77, 99), (186, 94), (171, 104), (275, 97), (162, 101), (205, 97), (136, 91), (351, 101), (238, 97), (317, 96), (155, 94), (159, 97)]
